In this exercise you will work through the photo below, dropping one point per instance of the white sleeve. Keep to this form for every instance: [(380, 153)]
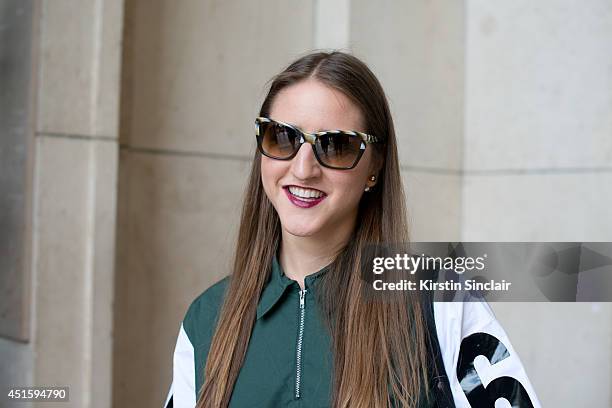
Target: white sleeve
[(470, 335), (182, 389)]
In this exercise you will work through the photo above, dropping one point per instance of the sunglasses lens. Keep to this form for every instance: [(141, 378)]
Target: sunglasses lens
[(277, 140), (338, 150)]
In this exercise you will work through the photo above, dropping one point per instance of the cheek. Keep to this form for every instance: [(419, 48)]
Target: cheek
[(354, 183), (350, 186), (271, 172), (348, 190)]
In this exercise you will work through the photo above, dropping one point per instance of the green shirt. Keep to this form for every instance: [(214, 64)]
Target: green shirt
[(271, 375)]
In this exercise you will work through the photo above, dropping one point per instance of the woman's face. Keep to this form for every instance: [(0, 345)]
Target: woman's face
[(313, 106)]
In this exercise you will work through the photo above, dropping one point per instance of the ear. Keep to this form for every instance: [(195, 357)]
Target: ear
[(375, 167)]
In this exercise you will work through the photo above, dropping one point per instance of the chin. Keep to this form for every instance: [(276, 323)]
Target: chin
[(301, 230)]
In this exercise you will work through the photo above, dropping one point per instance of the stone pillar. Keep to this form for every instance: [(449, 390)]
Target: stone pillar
[(538, 167), (77, 104)]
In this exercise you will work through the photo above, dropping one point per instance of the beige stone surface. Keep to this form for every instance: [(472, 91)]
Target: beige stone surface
[(434, 205), (565, 348), (104, 155), (197, 69), (553, 207), (61, 224), (332, 21), (66, 67), (108, 59), (74, 252), (538, 80), (417, 51), (80, 48), (178, 219)]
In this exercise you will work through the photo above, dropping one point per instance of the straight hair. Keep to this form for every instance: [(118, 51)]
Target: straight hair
[(379, 344)]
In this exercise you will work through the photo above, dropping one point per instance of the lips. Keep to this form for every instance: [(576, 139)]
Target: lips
[(304, 197)]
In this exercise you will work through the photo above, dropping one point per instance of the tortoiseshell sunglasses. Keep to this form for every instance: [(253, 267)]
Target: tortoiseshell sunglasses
[(334, 149)]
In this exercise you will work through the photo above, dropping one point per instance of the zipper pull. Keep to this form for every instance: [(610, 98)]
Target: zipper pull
[(302, 295)]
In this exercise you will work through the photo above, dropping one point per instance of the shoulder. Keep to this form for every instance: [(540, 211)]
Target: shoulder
[(204, 310), (467, 330)]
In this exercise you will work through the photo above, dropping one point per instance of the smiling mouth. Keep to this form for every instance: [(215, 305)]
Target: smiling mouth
[(304, 197), (305, 193)]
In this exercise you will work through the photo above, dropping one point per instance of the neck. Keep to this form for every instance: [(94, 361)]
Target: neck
[(302, 256)]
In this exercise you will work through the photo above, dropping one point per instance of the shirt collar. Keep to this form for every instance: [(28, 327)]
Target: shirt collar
[(278, 283)]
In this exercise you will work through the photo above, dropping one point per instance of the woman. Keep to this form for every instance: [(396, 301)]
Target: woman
[(293, 325)]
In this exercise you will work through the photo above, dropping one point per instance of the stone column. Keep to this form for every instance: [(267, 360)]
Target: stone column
[(75, 193), (538, 167)]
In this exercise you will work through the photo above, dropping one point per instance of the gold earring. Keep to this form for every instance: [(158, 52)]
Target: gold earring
[(371, 178)]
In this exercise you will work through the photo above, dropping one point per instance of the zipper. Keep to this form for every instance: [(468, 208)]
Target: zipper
[(298, 352)]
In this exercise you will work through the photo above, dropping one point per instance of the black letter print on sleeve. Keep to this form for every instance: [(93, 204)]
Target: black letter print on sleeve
[(483, 344)]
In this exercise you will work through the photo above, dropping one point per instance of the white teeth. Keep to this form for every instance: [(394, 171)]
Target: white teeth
[(305, 193)]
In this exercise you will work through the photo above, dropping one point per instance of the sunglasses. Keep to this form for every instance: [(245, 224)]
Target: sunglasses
[(334, 149)]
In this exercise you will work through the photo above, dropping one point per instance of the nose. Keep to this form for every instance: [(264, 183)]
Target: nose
[(305, 165)]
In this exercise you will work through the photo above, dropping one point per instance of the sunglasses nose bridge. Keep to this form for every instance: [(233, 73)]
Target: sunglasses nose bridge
[(310, 138)]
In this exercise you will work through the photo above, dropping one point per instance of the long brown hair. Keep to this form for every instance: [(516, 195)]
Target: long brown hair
[(379, 345)]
